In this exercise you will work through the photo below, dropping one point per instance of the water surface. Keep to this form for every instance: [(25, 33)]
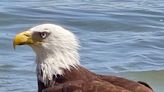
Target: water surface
[(122, 37)]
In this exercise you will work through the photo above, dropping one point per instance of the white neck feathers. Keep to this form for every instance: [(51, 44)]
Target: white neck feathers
[(49, 64)]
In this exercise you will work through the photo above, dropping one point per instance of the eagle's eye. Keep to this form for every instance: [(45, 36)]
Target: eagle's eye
[(43, 35)]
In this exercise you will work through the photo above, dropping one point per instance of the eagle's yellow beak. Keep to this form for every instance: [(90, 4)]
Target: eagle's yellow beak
[(24, 38)]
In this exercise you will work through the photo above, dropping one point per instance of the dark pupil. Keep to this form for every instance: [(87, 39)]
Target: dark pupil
[(43, 35)]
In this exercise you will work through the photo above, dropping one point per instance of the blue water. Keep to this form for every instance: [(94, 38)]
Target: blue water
[(125, 37)]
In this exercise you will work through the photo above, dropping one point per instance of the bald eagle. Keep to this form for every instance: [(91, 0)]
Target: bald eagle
[(58, 68)]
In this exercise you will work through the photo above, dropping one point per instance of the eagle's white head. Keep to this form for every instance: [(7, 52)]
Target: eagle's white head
[(56, 49)]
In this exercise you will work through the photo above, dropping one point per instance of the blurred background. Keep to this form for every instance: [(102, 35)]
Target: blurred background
[(118, 37)]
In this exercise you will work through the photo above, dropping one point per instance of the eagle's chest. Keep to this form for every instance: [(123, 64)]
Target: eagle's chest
[(54, 80)]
